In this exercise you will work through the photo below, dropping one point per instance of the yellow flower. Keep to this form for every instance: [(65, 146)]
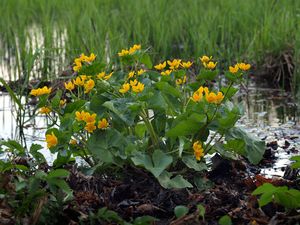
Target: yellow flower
[(141, 71), (90, 127), (45, 110), (198, 150), (214, 98), (69, 86), (174, 64), (125, 88), (78, 81), (130, 74), (138, 88), (187, 64), (244, 66), (91, 58), (211, 97), (77, 67), (134, 48), (73, 142), (124, 52), (62, 102), (80, 116), (197, 96), (133, 83), (205, 59), (181, 81), (90, 118), (84, 77), (166, 73), (88, 86), (41, 91), (51, 140), (107, 77), (101, 75), (160, 66), (234, 69), (211, 65), (103, 124)]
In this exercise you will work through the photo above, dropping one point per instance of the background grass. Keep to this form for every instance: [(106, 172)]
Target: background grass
[(52, 32)]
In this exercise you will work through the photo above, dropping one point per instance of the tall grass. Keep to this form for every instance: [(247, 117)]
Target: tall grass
[(228, 29)]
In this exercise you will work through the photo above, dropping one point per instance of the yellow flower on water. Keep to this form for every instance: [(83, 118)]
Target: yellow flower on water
[(124, 52), (205, 59), (197, 96), (73, 142), (187, 64), (107, 77), (90, 127), (174, 64), (244, 66), (78, 81), (130, 74), (138, 88), (141, 71), (198, 150), (160, 66), (125, 88), (234, 69), (166, 73), (103, 124), (90, 118), (69, 86), (45, 110), (88, 86), (62, 102), (133, 83), (80, 116), (41, 91), (211, 65), (51, 140)]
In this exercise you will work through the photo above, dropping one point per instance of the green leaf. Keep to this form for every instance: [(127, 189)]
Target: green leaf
[(39, 157), (168, 89), (55, 101), (207, 74), (180, 211), (296, 164), (92, 69), (14, 147), (192, 163), (230, 92), (160, 161), (202, 183), (189, 126), (225, 220), (144, 220), (58, 173), (63, 186), (145, 59), (71, 107), (166, 181), (254, 148), (201, 210)]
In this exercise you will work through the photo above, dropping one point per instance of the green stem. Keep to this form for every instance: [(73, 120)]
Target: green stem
[(150, 128)]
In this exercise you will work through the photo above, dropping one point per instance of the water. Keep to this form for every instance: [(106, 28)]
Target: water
[(269, 113)]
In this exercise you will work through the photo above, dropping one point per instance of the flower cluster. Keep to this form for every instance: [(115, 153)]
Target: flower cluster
[(129, 51), (82, 80), (210, 97), (90, 121), (239, 66), (41, 91), (83, 58), (135, 85), (198, 150), (104, 76), (174, 65), (207, 62)]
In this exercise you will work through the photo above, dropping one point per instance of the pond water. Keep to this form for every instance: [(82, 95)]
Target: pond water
[(269, 114)]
